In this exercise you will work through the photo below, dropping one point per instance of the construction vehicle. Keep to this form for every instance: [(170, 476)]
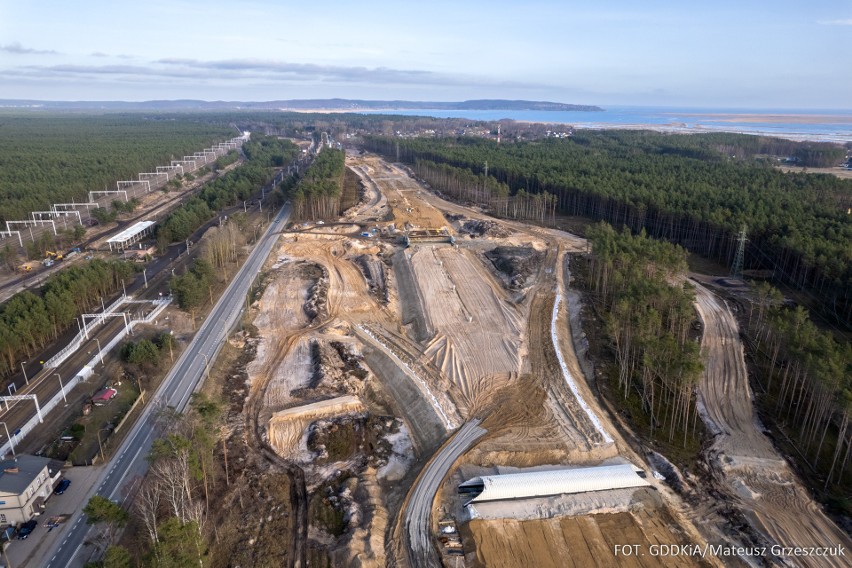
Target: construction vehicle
[(27, 266), (53, 255)]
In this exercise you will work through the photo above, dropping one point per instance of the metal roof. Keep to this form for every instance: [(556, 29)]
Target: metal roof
[(555, 482), (131, 231), (105, 394)]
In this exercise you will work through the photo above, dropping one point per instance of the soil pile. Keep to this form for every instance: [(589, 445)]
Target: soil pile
[(519, 264), (484, 227), (316, 304), (374, 272)]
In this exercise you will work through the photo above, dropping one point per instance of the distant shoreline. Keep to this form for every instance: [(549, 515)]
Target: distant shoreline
[(774, 118)]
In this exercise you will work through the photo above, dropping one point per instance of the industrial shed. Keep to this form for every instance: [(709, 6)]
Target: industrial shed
[(552, 482), (130, 235)]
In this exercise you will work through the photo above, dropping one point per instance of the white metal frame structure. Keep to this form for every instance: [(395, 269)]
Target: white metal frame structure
[(153, 175), (89, 205), (132, 183), (57, 214), (32, 223), (19, 397), (170, 168), (552, 482), (182, 163), (130, 235), (102, 317), (10, 233), (92, 194), (190, 160)]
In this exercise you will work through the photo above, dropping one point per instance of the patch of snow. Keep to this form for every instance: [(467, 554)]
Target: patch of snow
[(569, 379), (402, 453)]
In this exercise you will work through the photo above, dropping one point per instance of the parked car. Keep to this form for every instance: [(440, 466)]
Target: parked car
[(63, 485), (26, 529)]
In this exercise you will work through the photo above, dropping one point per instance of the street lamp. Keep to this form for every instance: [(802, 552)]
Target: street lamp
[(206, 365), (100, 444), (61, 388), (11, 442), (25, 372)]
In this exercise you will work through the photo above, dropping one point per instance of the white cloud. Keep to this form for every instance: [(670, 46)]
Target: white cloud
[(846, 22), (16, 48)]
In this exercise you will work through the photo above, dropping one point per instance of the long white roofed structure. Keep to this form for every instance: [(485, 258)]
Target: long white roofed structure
[(552, 482), (130, 235)]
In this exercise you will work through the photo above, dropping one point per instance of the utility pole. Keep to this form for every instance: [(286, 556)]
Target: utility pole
[(737, 268)]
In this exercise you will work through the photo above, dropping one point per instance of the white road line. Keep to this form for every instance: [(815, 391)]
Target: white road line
[(133, 459)]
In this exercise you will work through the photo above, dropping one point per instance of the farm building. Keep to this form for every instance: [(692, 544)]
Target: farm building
[(551, 482)]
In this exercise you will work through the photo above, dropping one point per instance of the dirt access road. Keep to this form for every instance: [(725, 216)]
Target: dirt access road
[(418, 509), (757, 478)]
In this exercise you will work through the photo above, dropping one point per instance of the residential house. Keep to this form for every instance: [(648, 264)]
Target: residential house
[(25, 484)]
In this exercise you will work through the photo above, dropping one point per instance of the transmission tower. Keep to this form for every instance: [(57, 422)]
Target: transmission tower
[(737, 268)]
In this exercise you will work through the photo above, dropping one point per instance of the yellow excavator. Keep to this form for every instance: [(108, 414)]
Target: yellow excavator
[(28, 266), (53, 255)]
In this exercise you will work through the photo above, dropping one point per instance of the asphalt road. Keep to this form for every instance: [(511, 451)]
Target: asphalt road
[(418, 508), (44, 383), (129, 463)]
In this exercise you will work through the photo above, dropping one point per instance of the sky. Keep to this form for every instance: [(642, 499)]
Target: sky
[(758, 54)]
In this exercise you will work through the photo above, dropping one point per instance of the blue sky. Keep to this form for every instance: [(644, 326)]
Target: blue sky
[(748, 54)]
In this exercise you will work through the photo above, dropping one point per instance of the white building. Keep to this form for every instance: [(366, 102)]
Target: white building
[(25, 484)]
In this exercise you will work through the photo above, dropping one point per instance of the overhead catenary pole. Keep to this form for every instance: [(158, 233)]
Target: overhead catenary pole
[(11, 442), (61, 387)]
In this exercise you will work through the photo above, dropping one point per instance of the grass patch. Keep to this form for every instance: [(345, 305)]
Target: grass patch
[(323, 513), (102, 420)]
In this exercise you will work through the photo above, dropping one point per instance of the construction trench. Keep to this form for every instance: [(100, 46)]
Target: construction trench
[(376, 350)]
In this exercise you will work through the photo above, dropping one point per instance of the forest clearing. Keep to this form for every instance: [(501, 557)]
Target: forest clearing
[(398, 348), (757, 478), (472, 331)]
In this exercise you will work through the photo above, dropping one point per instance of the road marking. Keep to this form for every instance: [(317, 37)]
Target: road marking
[(134, 457), (76, 550)]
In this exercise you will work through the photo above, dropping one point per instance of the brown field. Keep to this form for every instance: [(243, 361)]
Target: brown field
[(579, 542), (477, 342)]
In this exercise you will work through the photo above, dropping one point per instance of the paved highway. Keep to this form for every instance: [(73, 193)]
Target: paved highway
[(129, 463), (418, 508)]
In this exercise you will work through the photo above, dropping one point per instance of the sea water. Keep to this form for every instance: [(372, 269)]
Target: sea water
[(822, 125)]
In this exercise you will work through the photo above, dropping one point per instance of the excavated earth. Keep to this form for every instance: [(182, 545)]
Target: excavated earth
[(373, 353)]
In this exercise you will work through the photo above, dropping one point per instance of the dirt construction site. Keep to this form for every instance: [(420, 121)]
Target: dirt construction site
[(413, 344)]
